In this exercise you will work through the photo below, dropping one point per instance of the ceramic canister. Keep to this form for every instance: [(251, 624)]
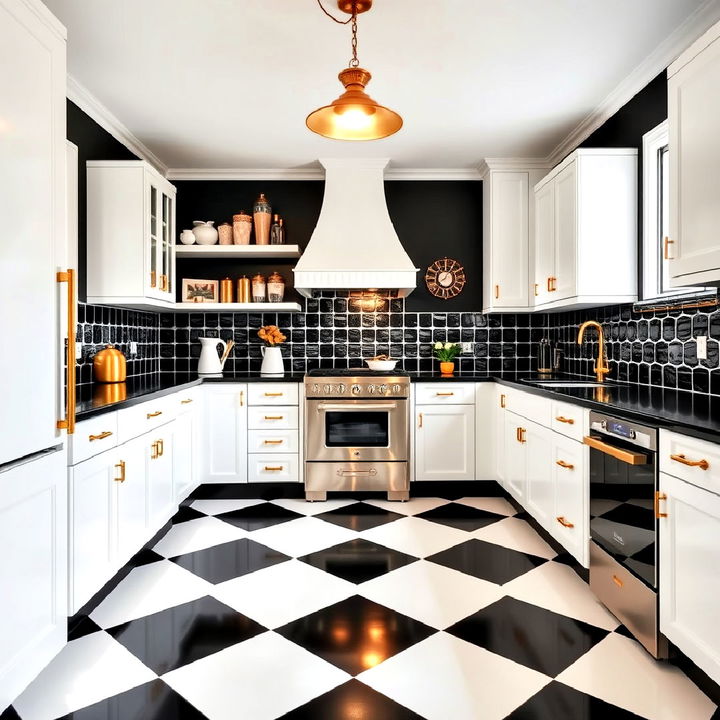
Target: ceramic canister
[(187, 237), (225, 233), (258, 288), (204, 232), (242, 226), (109, 365), (262, 216), (275, 287)]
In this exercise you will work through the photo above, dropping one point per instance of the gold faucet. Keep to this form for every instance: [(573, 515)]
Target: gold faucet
[(601, 366)]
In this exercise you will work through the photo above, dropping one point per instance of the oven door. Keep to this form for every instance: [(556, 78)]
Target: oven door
[(358, 430), (622, 495)]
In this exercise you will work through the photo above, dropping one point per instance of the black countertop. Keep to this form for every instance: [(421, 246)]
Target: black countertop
[(685, 412)]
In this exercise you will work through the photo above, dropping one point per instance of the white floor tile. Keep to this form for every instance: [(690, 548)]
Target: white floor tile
[(444, 677), (411, 507), (556, 587), (302, 536), (515, 534), (149, 589), (281, 593), (435, 595), (619, 671), (599, 506), (261, 679), (416, 536), (215, 507), (490, 504), (86, 671), (312, 508), (195, 535)]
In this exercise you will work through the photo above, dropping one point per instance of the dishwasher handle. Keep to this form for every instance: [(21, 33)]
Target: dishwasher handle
[(626, 456), (360, 407)]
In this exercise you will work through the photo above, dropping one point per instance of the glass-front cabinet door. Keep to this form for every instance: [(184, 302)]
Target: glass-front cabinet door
[(152, 250), (160, 251), (165, 248)]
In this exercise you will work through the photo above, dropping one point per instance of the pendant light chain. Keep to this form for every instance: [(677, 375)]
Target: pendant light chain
[(354, 62)]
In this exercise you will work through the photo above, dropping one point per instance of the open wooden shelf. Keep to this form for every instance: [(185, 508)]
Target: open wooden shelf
[(237, 251), (265, 307)]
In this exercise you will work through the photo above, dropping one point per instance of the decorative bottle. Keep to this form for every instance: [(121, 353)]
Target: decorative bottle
[(275, 288), (277, 231), (261, 216)]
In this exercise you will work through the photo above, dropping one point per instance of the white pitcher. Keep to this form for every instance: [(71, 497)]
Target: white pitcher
[(272, 363), (210, 362)]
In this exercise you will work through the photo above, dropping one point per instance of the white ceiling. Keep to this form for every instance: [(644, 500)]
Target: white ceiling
[(228, 83)]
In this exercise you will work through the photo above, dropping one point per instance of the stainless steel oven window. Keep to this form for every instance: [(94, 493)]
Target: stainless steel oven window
[(357, 429)]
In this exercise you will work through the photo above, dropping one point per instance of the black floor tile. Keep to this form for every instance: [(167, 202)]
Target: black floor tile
[(560, 702), (633, 515), (153, 701), (358, 560), (80, 627), (229, 560), (355, 634), (186, 513), (359, 516), (529, 635), (171, 638), (10, 714), (259, 516), (461, 516), (487, 561), (355, 701), (144, 557)]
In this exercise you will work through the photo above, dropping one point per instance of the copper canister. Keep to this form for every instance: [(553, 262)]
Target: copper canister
[(109, 365), (226, 290), (275, 287), (242, 227), (225, 233), (243, 289), (258, 288)]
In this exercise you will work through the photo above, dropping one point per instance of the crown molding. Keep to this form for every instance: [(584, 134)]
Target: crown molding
[(659, 59), (315, 173), (90, 105), (513, 164)]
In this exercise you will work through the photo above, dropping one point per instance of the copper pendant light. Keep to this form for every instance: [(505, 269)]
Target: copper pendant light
[(354, 115)]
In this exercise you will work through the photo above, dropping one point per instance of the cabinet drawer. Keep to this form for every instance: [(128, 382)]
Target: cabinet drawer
[(533, 407), (134, 421), (568, 420), (260, 418), (263, 393), (272, 467), (690, 459), (185, 400), (440, 393), (276, 441), (93, 436)]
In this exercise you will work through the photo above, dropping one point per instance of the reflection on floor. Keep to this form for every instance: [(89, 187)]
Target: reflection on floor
[(359, 610)]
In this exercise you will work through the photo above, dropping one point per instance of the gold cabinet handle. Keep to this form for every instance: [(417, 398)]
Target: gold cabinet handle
[(617, 581), (444, 394), (666, 248), (186, 402), (153, 279), (154, 414), (702, 464), (242, 398), (497, 292), (154, 451), (659, 497), (161, 447), (564, 522), (626, 456), (273, 442), (563, 464), (273, 469), (120, 465), (563, 419), (164, 283), (279, 394), (101, 436), (274, 417), (536, 290), (520, 434), (68, 423), (502, 400), (420, 420)]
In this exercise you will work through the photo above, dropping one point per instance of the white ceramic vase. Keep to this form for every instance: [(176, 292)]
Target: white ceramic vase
[(187, 237), (272, 363), (204, 232)]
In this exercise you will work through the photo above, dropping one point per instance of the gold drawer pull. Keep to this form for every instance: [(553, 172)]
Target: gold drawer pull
[(702, 464), (273, 442), (186, 402), (120, 465), (502, 400), (617, 581), (161, 447), (242, 398), (626, 456), (564, 522), (274, 394), (659, 496), (520, 434), (563, 464), (666, 248), (563, 419), (154, 414), (154, 451), (273, 469), (536, 290), (101, 436), (153, 279), (420, 418), (274, 417), (497, 292), (447, 394)]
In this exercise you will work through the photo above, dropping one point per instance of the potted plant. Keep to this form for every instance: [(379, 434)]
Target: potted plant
[(446, 354), (272, 363)]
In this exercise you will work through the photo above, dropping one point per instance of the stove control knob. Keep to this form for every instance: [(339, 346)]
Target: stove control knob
[(382, 389), (370, 389), (328, 389), (396, 389), (316, 388), (341, 389), (355, 389)]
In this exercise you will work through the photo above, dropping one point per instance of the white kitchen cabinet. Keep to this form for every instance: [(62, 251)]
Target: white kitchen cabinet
[(585, 254), (131, 220), (445, 442), (693, 119), (508, 229), (159, 473), (184, 452), (515, 456), (571, 516), (689, 559), (224, 431), (33, 571), (129, 515), (537, 444)]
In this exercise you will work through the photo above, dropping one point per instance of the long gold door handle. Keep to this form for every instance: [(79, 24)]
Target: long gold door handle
[(563, 464), (154, 414), (68, 423), (101, 436), (563, 419), (497, 292), (564, 522), (702, 464), (120, 465), (659, 496), (626, 456)]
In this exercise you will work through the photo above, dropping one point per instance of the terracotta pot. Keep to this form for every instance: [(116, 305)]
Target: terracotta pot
[(447, 368)]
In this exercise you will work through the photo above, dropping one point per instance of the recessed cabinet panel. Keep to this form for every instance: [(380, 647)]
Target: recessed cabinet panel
[(544, 243), (540, 482), (445, 442), (515, 456), (563, 280), (131, 490), (224, 429)]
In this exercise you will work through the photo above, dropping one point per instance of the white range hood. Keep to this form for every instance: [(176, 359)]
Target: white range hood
[(354, 245)]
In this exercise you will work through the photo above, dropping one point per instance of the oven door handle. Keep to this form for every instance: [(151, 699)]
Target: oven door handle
[(360, 407), (626, 456)]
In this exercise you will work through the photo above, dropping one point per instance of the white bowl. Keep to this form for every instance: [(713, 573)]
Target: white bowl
[(381, 365)]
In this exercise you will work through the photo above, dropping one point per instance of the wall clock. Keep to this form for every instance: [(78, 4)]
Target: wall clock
[(445, 278)]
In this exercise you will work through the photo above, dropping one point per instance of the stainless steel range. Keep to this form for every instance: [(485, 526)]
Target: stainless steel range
[(357, 434)]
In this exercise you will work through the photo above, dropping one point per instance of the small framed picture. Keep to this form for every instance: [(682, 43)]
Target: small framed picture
[(199, 291)]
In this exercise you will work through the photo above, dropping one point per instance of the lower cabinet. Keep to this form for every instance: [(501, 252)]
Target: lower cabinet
[(224, 429), (184, 452), (514, 456), (540, 487), (159, 474), (571, 516), (130, 487), (689, 579), (445, 442)]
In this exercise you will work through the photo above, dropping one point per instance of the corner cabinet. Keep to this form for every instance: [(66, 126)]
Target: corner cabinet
[(693, 118), (585, 239), (131, 224)]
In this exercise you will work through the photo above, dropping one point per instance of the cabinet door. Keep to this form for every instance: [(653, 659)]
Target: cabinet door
[(544, 242), (571, 516), (445, 442), (224, 431), (153, 239), (694, 118), (159, 470), (165, 246), (689, 578), (540, 488), (183, 454), (564, 277), (33, 571), (131, 490), (515, 456), (92, 526)]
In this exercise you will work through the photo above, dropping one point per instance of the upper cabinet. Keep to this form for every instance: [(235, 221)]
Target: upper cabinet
[(131, 231), (585, 239), (507, 236), (694, 117)]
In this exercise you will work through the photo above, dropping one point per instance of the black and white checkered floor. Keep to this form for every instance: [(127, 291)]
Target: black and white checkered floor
[(370, 610)]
